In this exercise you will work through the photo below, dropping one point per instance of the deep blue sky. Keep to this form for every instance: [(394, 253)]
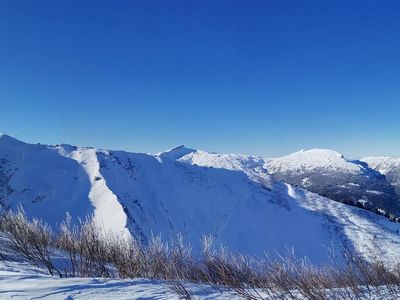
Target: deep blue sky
[(259, 77)]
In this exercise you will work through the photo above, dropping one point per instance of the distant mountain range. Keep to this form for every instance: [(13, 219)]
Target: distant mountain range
[(247, 203), (372, 183), (330, 174)]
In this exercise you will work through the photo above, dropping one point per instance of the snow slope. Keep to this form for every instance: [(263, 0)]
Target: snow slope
[(235, 200), (44, 182), (252, 166), (330, 174), (22, 281)]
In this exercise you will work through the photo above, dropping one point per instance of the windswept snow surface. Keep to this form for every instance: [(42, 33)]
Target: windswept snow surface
[(195, 193), (22, 281), (328, 173), (252, 166)]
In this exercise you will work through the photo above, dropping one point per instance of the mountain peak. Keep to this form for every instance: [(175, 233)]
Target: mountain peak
[(176, 152), (320, 153), (3, 135), (7, 138), (313, 159)]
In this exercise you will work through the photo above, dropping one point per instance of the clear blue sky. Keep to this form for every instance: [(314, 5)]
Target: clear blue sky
[(259, 77)]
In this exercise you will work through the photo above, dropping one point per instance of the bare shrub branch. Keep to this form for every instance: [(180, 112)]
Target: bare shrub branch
[(94, 252)]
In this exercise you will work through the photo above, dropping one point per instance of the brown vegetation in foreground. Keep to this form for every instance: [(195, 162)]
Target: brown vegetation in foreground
[(90, 252)]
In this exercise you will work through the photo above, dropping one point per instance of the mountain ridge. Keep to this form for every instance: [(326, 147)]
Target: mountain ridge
[(232, 197)]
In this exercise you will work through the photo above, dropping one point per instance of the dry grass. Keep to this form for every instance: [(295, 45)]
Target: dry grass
[(92, 252)]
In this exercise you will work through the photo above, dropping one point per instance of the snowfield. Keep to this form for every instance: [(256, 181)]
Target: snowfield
[(195, 193), (22, 281)]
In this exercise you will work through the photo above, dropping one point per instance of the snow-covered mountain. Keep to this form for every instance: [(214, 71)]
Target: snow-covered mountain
[(186, 191), (330, 174), (320, 171), (252, 166)]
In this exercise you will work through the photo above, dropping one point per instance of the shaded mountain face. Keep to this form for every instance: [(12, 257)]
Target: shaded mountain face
[(390, 167), (230, 197), (43, 182), (329, 174)]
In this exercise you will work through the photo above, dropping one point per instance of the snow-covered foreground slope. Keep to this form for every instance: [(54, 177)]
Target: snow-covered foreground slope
[(328, 173), (22, 281), (230, 197)]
